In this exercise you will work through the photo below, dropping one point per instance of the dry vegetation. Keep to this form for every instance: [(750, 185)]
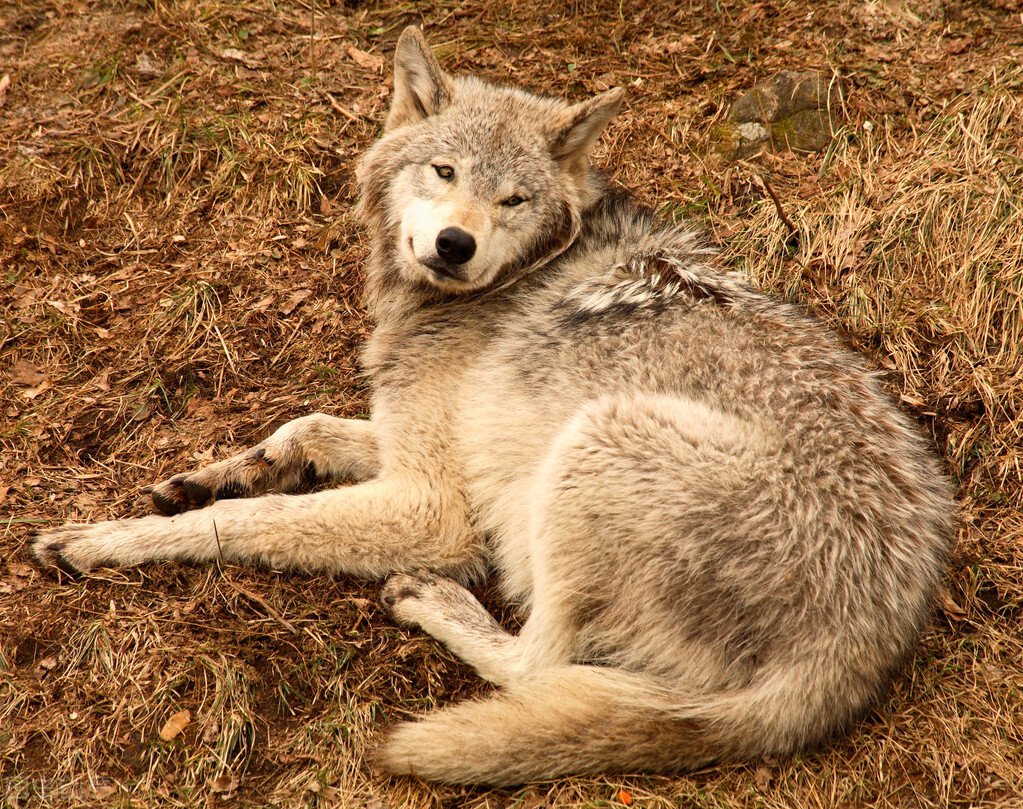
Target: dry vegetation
[(179, 272)]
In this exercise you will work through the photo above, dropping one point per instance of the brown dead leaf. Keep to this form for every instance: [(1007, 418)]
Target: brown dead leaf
[(292, 303), (224, 783), (763, 777), (326, 206), (3, 492), (533, 799), (31, 393), (262, 305), (102, 380), (28, 374), (47, 664), (365, 59), (103, 787), (949, 606), (235, 55), (18, 569), (177, 723)]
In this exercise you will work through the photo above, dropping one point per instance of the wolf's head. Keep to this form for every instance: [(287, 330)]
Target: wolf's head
[(470, 182)]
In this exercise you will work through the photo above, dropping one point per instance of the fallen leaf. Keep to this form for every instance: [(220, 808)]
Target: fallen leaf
[(175, 725), (531, 800), (369, 61), (224, 783), (31, 393), (236, 55), (949, 606), (763, 777), (263, 305), (292, 303), (48, 663), (103, 788), (624, 797), (28, 373)]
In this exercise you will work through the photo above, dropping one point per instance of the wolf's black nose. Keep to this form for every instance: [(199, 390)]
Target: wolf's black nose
[(455, 246)]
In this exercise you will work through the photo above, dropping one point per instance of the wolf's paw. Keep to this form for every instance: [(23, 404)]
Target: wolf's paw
[(68, 548), (410, 599), (242, 476)]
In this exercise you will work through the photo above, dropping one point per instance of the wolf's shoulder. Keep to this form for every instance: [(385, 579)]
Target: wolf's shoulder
[(626, 261)]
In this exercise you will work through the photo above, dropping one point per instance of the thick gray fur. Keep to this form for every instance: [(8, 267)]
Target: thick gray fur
[(725, 535)]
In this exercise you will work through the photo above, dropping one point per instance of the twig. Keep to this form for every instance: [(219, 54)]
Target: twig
[(258, 599), (793, 230)]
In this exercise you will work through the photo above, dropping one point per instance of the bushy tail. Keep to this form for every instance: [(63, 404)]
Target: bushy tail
[(583, 719)]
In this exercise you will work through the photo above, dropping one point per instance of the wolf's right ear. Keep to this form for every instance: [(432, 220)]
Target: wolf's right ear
[(421, 87)]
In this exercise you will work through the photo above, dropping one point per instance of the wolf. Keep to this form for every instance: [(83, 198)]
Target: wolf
[(723, 535)]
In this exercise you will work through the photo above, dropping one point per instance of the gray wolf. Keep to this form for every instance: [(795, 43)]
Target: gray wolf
[(725, 537)]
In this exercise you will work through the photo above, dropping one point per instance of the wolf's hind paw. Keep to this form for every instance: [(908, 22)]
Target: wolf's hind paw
[(409, 597)]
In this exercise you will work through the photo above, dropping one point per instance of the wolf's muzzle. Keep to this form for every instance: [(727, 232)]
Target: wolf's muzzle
[(455, 246)]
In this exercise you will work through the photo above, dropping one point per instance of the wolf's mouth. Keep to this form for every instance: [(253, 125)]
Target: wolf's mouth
[(440, 270)]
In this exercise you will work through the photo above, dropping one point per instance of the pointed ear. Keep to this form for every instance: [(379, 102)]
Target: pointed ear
[(582, 125), (421, 88)]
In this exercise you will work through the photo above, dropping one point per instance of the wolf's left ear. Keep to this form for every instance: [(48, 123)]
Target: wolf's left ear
[(582, 125), (421, 87)]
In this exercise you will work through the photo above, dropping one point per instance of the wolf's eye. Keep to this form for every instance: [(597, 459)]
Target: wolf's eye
[(444, 172), (511, 202)]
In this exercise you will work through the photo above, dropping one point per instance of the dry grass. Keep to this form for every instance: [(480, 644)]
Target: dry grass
[(180, 272)]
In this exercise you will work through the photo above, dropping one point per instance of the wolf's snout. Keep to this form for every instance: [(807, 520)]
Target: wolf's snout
[(455, 246)]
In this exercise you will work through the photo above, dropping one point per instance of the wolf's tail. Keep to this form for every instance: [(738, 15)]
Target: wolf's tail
[(579, 719)]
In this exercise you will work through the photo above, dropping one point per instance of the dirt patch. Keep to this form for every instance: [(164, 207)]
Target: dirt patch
[(180, 272)]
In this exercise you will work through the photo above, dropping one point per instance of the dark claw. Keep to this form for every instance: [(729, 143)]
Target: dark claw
[(168, 506), (261, 457), (66, 567), (390, 599), (231, 490), (197, 494), (147, 489)]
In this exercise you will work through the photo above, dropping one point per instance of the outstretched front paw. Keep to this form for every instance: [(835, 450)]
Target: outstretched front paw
[(77, 548), (61, 548)]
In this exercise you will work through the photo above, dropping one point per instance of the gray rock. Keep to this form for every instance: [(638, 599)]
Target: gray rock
[(791, 110)]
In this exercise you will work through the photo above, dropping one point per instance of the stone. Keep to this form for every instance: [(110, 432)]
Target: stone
[(791, 110)]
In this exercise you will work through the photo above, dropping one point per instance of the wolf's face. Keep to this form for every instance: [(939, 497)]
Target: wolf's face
[(473, 182)]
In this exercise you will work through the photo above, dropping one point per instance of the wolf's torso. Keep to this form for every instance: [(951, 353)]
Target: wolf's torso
[(633, 311)]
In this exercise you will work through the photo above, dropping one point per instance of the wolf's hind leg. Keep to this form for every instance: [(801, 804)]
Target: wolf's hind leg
[(305, 450), (448, 612)]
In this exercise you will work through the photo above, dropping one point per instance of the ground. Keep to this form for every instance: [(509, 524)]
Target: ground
[(180, 271)]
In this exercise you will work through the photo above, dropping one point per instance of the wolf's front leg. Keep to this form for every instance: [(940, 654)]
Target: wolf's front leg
[(315, 447), (391, 523)]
